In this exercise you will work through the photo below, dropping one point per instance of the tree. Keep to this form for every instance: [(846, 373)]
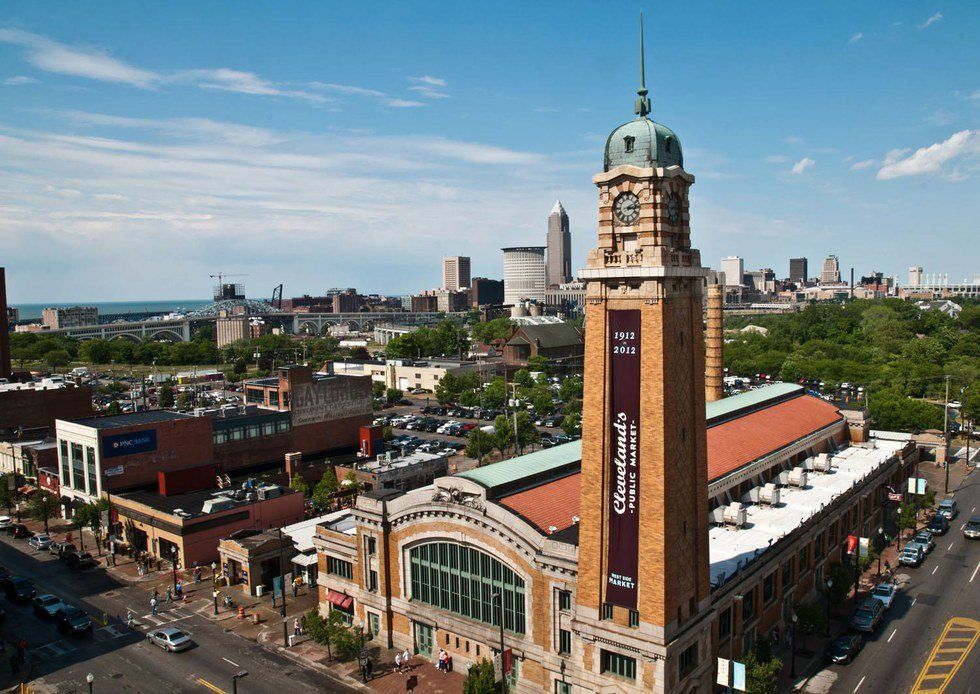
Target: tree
[(480, 679), (7, 495), (842, 581), (166, 396), (908, 516), (114, 408), (299, 484), (479, 444), (811, 617), (495, 393), (185, 401), (527, 433), (570, 388), (503, 433), (522, 377), (387, 433), (377, 389), (324, 490), (315, 626), (56, 357), (344, 640), (572, 424), (538, 363), (491, 331), (42, 506), (761, 669), (393, 395)]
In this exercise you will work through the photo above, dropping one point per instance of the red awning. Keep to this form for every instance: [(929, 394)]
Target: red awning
[(339, 600)]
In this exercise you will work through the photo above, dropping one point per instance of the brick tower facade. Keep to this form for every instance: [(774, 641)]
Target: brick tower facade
[(643, 585)]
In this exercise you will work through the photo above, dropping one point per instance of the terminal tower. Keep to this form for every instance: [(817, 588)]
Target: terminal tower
[(643, 581)]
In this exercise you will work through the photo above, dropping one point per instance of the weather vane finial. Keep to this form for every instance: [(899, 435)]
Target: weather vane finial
[(642, 107)]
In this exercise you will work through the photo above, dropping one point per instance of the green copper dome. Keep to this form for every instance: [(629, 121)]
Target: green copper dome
[(643, 143)]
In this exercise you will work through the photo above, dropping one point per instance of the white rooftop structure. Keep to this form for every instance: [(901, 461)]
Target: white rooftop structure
[(302, 533), (732, 548)]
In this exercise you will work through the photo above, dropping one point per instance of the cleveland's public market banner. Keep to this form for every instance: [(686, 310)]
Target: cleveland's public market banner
[(624, 446)]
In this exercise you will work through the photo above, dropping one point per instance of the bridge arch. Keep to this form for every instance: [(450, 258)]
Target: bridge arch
[(170, 334), (124, 336)]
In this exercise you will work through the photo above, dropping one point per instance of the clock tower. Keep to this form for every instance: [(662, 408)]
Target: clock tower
[(643, 585)]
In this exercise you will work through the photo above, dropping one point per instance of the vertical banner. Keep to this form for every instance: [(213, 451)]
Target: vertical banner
[(624, 447)]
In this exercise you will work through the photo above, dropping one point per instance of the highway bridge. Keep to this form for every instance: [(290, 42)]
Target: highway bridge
[(181, 329)]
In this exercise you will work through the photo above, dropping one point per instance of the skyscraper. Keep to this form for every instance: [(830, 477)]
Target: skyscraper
[(831, 271), (455, 272), (524, 274), (559, 270), (798, 270), (733, 267)]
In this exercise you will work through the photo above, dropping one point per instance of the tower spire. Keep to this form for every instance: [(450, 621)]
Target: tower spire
[(642, 107)]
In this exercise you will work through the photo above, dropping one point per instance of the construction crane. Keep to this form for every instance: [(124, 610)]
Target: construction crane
[(233, 290)]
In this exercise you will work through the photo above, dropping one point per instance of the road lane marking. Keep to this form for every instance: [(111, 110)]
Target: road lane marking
[(213, 688), (941, 666), (913, 602), (231, 661), (859, 684), (950, 546), (975, 572), (973, 509), (892, 636), (935, 569)]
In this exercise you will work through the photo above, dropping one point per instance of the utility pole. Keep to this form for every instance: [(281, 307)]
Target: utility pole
[(516, 406), (946, 435), (282, 581)]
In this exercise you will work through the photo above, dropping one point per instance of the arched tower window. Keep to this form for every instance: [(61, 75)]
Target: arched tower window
[(628, 142), (463, 580)]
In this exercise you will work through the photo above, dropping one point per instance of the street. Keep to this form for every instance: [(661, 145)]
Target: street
[(944, 587), (122, 659)]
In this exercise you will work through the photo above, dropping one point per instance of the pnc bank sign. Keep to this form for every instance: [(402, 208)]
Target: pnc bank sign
[(128, 444)]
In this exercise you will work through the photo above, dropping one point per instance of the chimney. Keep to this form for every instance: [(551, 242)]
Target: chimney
[(4, 328), (714, 363)]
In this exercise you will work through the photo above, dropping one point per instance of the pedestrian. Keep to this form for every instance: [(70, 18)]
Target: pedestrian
[(156, 593), (443, 662), (153, 605), (180, 590), (295, 587), (369, 666), (197, 573), (398, 663), (296, 630), (888, 567), (407, 660), (170, 595)]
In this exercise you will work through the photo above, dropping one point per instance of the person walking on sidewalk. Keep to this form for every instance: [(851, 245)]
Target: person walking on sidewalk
[(398, 663), (180, 590), (407, 660), (153, 605), (170, 595), (296, 630)]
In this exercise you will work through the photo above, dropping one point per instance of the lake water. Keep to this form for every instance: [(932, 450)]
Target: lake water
[(33, 311)]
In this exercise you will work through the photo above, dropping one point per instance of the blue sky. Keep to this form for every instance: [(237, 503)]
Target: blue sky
[(144, 146)]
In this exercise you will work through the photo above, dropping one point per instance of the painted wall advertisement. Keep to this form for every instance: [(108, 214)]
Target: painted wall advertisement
[(332, 399), (624, 446), (128, 444)]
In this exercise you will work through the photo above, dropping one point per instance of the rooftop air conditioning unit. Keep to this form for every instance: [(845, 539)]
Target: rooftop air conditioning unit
[(735, 514), (797, 477), (769, 494), (822, 463)]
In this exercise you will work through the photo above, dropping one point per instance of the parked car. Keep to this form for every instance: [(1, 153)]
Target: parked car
[(19, 531), (924, 538), (971, 530), (47, 605), (885, 592), (868, 615), (73, 620), (5, 521), (939, 525), (949, 509), (170, 639), (20, 589), (912, 555), (843, 649), (40, 541), (59, 548), (80, 560)]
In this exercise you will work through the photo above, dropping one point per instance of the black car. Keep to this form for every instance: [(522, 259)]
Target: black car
[(844, 648), (20, 589), (80, 560), (939, 525), (73, 620), (20, 531)]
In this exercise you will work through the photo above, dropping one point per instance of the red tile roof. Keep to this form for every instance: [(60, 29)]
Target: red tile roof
[(731, 445), (739, 441)]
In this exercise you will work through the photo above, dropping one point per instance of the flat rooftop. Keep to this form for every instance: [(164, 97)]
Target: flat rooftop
[(382, 465), (731, 549), (191, 503), (131, 419)]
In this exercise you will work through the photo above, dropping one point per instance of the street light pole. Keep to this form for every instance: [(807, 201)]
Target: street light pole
[(830, 584), (946, 436), (792, 636), (881, 533), (173, 565), (90, 678), (282, 583)]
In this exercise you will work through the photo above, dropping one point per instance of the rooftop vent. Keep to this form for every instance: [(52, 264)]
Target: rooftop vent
[(769, 494), (797, 477), (735, 514), (575, 519), (823, 463), (552, 529)]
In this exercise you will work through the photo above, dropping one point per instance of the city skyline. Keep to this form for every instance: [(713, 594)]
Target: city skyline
[(121, 142)]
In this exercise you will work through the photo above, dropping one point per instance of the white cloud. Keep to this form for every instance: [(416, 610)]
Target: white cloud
[(929, 160), (777, 159), (802, 165), (429, 87), (855, 38), (793, 140), (863, 164), (932, 20), (186, 128), (19, 80), (351, 90), (404, 103)]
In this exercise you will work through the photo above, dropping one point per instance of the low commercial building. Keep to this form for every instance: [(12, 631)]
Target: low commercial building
[(560, 343), (31, 409), (406, 374), (27, 457), (69, 317), (789, 479), (391, 471), (192, 523), (253, 558)]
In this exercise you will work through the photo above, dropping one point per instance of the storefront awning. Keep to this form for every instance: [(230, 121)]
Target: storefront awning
[(305, 559), (339, 600)]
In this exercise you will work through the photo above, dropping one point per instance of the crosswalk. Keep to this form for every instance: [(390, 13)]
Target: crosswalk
[(951, 650), (164, 617)]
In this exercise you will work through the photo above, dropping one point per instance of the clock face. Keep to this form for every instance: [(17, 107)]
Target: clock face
[(673, 208), (627, 208)]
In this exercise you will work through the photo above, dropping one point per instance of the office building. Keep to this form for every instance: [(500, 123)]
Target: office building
[(734, 267), (830, 274), (559, 268), (798, 270), (69, 317), (486, 292), (455, 272), (346, 301), (524, 273)]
